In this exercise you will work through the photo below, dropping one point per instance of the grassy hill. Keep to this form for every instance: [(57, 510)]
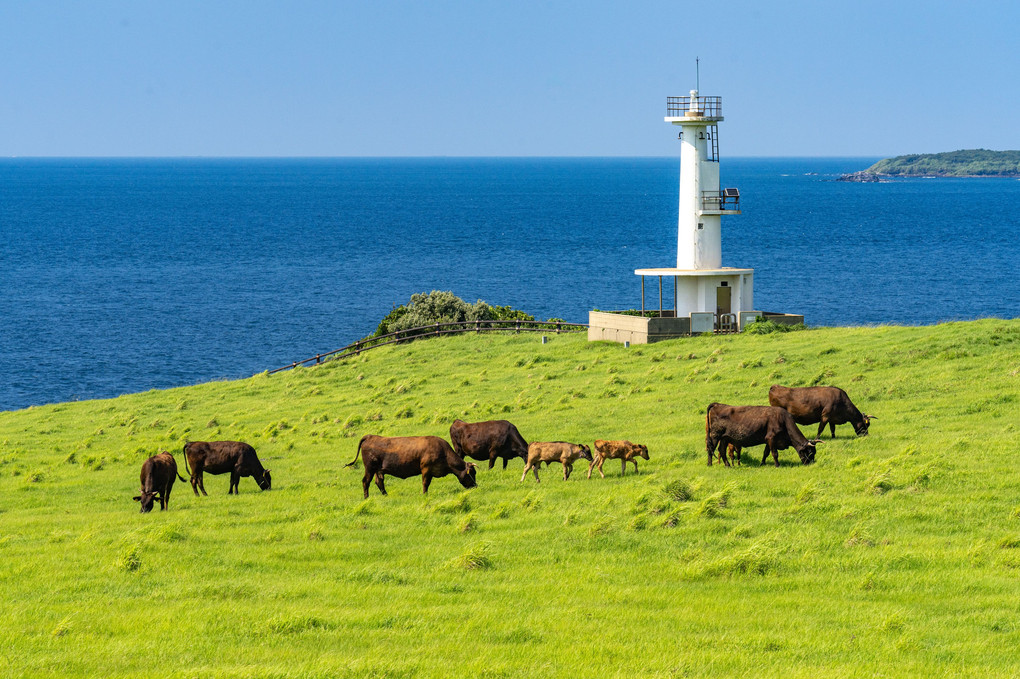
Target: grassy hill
[(969, 163), (897, 554)]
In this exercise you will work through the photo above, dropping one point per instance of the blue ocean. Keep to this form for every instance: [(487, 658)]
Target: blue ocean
[(119, 276)]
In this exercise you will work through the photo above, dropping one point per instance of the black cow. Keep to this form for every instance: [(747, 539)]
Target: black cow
[(407, 456), (825, 405), (746, 426), (158, 476), (488, 441), (221, 457)]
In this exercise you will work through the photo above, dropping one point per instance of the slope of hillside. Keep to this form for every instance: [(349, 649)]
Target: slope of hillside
[(896, 554)]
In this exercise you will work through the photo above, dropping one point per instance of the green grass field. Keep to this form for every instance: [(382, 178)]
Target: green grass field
[(897, 554)]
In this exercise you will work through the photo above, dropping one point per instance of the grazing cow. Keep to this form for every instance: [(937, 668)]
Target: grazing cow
[(488, 441), (746, 426), (625, 451), (407, 456), (824, 405), (220, 457), (158, 474), (555, 451)]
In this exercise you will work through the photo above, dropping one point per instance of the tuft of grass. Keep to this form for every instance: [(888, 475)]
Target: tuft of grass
[(459, 505), (880, 483), (679, 491), (859, 536), (601, 527), (474, 558), (761, 558), (468, 524), (503, 510), (129, 560)]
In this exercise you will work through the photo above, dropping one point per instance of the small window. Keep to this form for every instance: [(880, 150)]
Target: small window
[(700, 225)]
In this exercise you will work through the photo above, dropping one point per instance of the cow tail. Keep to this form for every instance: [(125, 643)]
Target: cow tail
[(184, 451), (355, 460)]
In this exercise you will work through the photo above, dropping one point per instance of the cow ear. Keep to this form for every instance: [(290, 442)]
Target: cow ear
[(137, 498)]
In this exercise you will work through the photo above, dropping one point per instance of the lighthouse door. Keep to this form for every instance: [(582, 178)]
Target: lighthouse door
[(722, 300)]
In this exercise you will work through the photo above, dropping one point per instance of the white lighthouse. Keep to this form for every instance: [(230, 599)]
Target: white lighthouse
[(707, 296), (702, 285)]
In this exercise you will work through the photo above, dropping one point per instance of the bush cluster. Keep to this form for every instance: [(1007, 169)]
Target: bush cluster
[(440, 306)]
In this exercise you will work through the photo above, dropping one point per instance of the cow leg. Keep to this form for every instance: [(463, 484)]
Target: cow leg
[(201, 483), (366, 481), (821, 428), (235, 480), (634, 461), (426, 479), (710, 447), (832, 430), (379, 482), (505, 460), (492, 461), (194, 484), (165, 501), (775, 455), (567, 468), (527, 466), (765, 455)]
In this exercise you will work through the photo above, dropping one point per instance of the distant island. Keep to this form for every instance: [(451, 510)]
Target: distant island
[(970, 163)]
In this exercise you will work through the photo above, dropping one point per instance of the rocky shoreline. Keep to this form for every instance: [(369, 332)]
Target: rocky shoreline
[(862, 176)]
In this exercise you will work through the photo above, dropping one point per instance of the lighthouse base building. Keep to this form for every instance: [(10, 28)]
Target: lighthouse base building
[(699, 294)]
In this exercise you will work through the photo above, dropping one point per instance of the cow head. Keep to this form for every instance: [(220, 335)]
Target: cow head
[(807, 453), (641, 450), (467, 477), (266, 482), (861, 428), (146, 498), (585, 452)]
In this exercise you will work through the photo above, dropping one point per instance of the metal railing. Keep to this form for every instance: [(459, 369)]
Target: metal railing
[(435, 330), (706, 107), (727, 199)]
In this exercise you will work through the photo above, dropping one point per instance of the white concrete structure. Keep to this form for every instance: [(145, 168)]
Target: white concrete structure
[(701, 282)]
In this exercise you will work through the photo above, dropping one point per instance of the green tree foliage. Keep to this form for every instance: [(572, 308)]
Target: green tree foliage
[(440, 306), (969, 163)]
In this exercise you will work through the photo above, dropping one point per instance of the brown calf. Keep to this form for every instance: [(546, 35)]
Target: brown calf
[(625, 451), (555, 451)]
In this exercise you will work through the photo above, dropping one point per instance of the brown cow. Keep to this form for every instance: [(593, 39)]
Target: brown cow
[(488, 441), (157, 478), (746, 426), (824, 405), (407, 456), (625, 451), (220, 457), (555, 451)]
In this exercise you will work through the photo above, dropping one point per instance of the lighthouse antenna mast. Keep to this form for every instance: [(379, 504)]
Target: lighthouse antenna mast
[(697, 73)]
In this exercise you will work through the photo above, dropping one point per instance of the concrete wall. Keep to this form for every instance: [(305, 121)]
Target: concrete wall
[(621, 328)]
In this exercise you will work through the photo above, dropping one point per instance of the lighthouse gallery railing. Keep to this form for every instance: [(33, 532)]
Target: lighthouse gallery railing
[(709, 107)]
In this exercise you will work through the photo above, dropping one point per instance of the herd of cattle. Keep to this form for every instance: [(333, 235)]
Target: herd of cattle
[(728, 430)]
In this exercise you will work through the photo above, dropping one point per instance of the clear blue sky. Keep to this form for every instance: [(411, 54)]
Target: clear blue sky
[(430, 77)]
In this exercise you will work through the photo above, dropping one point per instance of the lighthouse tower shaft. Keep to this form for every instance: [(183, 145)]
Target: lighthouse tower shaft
[(699, 233)]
